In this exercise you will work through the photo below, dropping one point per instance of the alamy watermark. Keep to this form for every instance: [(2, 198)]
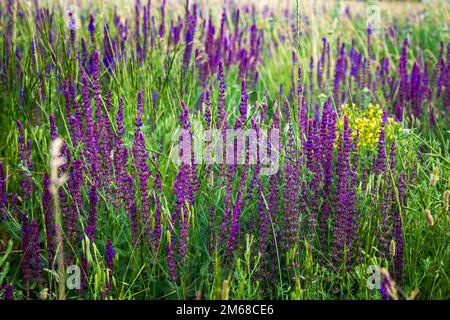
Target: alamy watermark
[(72, 17), (73, 277), (374, 279), (231, 146)]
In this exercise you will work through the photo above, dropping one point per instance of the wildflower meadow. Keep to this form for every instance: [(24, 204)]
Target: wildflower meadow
[(242, 150)]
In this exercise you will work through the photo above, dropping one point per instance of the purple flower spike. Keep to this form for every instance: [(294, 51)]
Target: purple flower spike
[(91, 228), (140, 110), (416, 93), (109, 258), (185, 184), (76, 182), (91, 139), (163, 22), (291, 194), (140, 155), (207, 102), (109, 49), (120, 157), (50, 230), (8, 292), (243, 106), (344, 228), (171, 260), (91, 28), (53, 129), (222, 123), (158, 209), (384, 289), (328, 137), (72, 27), (130, 205), (3, 202), (231, 241), (31, 262), (191, 24), (380, 164), (403, 75)]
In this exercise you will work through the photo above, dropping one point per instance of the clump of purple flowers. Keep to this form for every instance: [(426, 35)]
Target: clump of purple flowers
[(109, 259)]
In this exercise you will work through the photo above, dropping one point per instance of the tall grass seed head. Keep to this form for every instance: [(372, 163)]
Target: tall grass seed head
[(434, 177), (429, 217), (56, 162), (392, 248), (446, 200)]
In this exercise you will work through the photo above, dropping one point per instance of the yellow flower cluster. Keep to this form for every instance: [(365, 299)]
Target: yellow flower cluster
[(368, 123)]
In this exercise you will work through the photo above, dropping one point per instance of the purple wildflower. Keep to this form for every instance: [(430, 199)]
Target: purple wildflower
[(90, 137), (207, 103), (72, 26), (91, 28), (184, 182), (109, 259), (76, 182), (243, 106), (157, 185), (120, 156), (8, 292), (191, 23), (222, 123), (103, 125), (53, 129), (50, 230), (3, 202), (343, 229), (339, 75), (403, 75), (291, 194), (171, 259), (140, 156), (91, 228), (328, 136), (78, 115), (416, 93), (313, 151), (163, 15), (137, 28), (72, 120), (130, 205), (384, 288), (380, 164), (109, 49), (31, 262)]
